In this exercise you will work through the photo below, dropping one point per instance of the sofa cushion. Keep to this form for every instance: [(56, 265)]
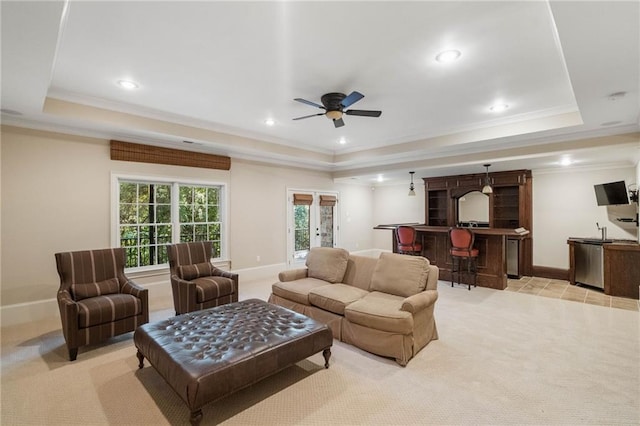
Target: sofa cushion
[(380, 311), (359, 271), (400, 274), (334, 297), (197, 270), (102, 288), (298, 290), (327, 263)]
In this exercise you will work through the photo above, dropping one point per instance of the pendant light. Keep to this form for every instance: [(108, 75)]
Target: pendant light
[(486, 189), (412, 192)]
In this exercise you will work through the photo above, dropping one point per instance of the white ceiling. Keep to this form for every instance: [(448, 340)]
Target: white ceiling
[(212, 72)]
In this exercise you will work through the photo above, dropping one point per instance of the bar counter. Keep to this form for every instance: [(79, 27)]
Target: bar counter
[(491, 243)]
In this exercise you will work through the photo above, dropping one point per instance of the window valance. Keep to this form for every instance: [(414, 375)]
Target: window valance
[(328, 200), (302, 199)]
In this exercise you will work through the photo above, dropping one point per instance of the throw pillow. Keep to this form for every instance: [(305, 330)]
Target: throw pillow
[(327, 263), (86, 290), (400, 274), (197, 270)]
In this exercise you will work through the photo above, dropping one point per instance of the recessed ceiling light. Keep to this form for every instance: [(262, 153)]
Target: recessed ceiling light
[(448, 56), (380, 178), (342, 141), (128, 84), (498, 107), (566, 161), (269, 122)]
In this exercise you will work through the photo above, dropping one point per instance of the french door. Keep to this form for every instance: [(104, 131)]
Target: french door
[(312, 221)]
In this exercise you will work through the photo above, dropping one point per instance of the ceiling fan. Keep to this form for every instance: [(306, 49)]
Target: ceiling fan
[(334, 104)]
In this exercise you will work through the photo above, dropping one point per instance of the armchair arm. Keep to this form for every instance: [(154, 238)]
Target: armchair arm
[(69, 317), (420, 301), (184, 294), (130, 287), (233, 276), (292, 274)]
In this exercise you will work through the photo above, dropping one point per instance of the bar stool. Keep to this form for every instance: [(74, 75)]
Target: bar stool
[(406, 238), (462, 240)]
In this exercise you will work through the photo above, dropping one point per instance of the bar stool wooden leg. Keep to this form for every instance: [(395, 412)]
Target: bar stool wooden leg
[(453, 268)]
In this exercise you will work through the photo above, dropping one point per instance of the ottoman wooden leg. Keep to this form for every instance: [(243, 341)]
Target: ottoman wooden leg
[(140, 359), (326, 354), (196, 417)]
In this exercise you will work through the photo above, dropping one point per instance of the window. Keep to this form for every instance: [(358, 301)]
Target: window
[(200, 215), (152, 214), (144, 222)]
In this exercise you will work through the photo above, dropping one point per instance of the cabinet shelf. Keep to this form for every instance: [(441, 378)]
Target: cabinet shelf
[(437, 208)]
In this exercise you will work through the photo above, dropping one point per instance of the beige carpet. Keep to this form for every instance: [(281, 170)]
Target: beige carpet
[(502, 358)]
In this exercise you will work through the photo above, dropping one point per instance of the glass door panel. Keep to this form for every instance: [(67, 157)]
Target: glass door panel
[(312, 222)]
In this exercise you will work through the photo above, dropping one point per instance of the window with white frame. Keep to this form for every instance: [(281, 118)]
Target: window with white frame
[(152, 214)]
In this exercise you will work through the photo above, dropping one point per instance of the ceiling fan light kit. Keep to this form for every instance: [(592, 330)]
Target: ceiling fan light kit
[(335, 103), (334, 115)]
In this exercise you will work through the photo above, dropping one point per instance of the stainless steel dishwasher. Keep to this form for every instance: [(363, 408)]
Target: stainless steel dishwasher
[(588, 262)]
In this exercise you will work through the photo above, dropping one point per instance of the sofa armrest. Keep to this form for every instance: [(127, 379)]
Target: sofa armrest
[(420, 301), (292, 274), (432, 278)]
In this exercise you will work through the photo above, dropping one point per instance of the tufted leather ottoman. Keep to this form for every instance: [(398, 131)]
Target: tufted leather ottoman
[(206, 355)]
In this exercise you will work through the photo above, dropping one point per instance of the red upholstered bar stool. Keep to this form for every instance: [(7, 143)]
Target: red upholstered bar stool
[(462, 249), (406, 239)]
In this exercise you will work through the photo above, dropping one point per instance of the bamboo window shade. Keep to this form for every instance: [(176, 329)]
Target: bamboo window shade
[(328, 200), (126, 151), (302, 199)]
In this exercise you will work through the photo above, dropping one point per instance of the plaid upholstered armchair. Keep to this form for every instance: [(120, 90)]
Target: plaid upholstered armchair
[(96, 300), (195, 282)]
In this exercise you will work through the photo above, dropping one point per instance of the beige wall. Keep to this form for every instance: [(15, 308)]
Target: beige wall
[(392, 204), (55, 196), (56, 192), (564, 205)]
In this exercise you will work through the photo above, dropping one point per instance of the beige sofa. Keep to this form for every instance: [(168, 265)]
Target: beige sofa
[(384, 306)]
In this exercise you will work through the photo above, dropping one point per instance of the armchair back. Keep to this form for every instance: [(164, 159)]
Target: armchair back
[(90, 266), (188, 254)]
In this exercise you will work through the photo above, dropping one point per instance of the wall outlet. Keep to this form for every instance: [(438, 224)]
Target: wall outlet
[(258, 258)]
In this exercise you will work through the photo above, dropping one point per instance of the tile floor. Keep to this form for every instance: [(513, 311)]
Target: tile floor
[(559, 289)]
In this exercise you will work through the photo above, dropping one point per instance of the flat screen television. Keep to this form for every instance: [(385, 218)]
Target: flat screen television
[(609, 194)]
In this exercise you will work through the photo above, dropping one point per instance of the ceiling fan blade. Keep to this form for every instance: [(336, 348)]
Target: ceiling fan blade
[(304, 101), (338, 122), (363, 112), (352, 99), (309, 116)]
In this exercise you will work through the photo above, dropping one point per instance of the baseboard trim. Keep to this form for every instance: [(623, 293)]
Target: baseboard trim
[(551, 273)]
